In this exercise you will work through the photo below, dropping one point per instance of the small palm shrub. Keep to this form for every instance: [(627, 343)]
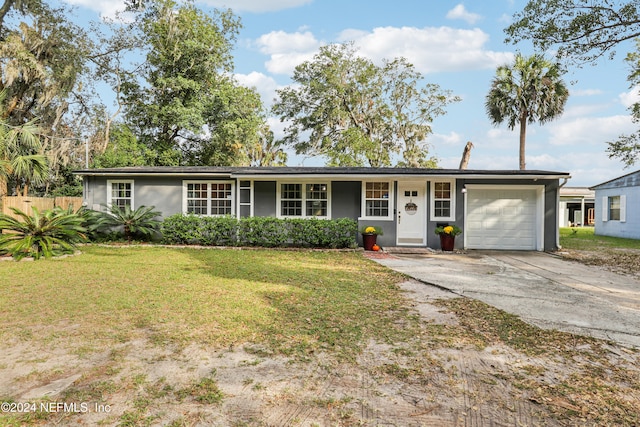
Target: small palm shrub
[(142, 221), (44, 234)]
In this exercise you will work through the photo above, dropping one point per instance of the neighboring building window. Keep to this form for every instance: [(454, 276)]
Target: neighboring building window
[(442, 200), (209, 198), (376, 199), (614, 208), (120, 193), (304, 200)]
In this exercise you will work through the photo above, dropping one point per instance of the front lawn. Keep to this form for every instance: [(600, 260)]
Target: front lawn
[(183, 337), (613, 253), (210, 296), (583, 238)]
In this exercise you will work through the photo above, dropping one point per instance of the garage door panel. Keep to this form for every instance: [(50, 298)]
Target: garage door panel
[(501, 219)]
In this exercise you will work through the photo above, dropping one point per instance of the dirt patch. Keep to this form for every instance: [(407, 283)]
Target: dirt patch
[(452, 374)]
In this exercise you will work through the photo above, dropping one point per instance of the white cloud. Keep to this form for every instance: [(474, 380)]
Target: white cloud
[(106, 8), (265, 85), (287, 50), (109, 8), (586, 92), (431, 49), (629, 98), (453, 138), (505, 19), (583, 131), (255, 5), (460, 12)]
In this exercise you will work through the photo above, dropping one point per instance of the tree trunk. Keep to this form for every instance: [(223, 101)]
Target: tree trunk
[(466, 154), (4, 187), (523, 134)]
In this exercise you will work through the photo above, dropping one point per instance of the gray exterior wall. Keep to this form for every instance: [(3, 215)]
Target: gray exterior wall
[(163, 193), (264, 196), (166, 193), (346, 199)]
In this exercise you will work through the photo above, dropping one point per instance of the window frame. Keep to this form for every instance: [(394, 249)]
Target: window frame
[(303, 190), (451, 199), (110, 198), (607, 208), (209, 199), (389, 200)]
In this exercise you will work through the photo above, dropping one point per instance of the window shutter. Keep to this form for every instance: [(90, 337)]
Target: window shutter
[(623, 208), (605, 208)]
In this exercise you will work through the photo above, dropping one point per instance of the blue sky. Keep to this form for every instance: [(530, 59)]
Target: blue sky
[(454, 44)]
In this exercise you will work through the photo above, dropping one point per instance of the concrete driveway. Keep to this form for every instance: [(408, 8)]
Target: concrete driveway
[(540, 288)]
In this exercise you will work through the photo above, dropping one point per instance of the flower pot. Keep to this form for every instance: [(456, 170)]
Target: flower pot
[(447, 242), (368, 241)]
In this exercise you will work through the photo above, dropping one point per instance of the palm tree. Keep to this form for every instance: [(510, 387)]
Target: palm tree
[(531, 90), (143, 220), (20, 155), (50, 233)]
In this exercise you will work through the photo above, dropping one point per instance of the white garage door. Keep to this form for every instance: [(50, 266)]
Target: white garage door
[(501, 219)]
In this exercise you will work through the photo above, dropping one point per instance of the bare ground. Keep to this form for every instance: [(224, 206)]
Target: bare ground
[(456, 373)]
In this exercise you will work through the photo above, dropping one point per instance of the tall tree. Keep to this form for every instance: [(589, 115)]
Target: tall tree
[(528, 91), (43, 68), (627, 147), (579, 29), (184, 104), (359, 113)]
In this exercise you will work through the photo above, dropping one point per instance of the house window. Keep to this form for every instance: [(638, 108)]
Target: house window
[(120, 193), (209, 198), (246, 197), (442, 200), (614, 208), (376, 199), (304, 200), (291, 200)]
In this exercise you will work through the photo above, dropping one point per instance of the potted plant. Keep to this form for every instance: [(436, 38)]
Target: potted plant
[(370, 235), (448, 235)]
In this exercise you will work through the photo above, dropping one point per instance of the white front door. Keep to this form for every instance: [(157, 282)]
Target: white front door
[(412, 213)]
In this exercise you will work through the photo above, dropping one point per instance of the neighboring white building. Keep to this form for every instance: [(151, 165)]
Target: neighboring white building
[(576, 208), (617, 207)]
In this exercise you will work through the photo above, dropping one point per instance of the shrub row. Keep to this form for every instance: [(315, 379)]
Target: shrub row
[(259, 231)]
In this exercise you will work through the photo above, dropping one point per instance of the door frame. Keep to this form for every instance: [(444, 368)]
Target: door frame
[(422, 205)]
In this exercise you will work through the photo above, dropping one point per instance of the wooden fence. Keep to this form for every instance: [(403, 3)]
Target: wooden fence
[(41, 203)]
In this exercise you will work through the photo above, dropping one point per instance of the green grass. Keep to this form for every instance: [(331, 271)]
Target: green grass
[(583, 238), (293, 301)]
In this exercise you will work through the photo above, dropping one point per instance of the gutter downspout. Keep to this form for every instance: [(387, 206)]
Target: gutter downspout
[(557, 214)]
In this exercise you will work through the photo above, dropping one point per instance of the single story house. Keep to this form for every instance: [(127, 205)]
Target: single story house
[(577, 207), (617, 207), (496, 209)]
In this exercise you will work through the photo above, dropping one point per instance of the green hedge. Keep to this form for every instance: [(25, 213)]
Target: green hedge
[(259, 231)]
